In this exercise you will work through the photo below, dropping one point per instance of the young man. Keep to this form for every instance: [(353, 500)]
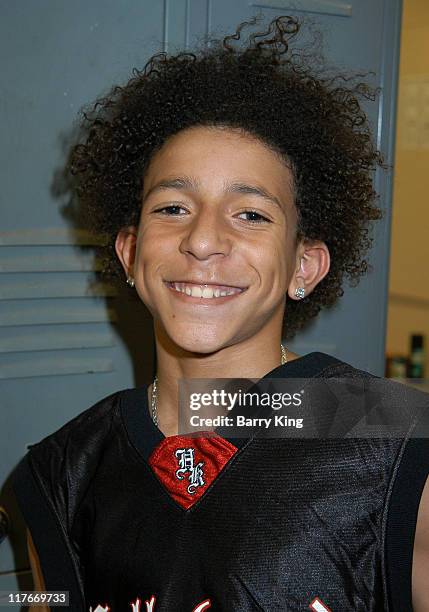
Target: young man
[(235, 189)]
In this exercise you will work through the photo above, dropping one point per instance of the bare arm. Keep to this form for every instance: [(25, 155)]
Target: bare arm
[(420, 575), (39, 583)]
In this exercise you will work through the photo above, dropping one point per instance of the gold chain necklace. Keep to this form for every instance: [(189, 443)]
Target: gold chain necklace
[(154, 385)]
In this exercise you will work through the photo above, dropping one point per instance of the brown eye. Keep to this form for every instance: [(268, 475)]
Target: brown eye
[(260, 219), (169, 208)]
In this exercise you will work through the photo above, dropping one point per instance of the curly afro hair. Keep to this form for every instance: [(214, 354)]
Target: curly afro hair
[(315, 121)]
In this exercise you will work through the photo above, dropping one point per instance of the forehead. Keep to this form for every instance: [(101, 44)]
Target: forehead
[(214, 155)]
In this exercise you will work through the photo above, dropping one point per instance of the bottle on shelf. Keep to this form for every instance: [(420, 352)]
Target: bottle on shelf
[(416, 362), (396, 366)]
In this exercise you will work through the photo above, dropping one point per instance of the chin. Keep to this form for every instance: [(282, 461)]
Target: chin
[(197, 338)]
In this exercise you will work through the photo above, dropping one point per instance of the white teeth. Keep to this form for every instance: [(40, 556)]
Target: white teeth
[(197, 292), (200, 291), (207, 293)]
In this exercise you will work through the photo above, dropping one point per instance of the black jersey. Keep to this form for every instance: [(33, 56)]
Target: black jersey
[(275, 524)]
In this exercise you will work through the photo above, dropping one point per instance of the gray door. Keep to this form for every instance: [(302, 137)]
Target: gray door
[(63, 345)]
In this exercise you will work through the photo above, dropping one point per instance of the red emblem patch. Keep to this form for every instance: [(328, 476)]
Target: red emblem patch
[(187, 465)]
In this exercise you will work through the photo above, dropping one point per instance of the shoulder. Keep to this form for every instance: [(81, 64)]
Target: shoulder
[(73, 452), (386, 391), (60, 466), (369, 406), (88, 428)]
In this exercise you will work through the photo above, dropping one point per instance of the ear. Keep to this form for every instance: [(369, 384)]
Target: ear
[(312, 265), (125, 247)]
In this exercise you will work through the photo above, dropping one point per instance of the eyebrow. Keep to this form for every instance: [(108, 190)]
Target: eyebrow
[(189, 184)]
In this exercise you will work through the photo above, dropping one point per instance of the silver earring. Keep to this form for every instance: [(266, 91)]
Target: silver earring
[(130, 281), (300, 292)]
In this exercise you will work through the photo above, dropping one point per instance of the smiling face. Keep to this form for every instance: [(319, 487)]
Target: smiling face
[(218, 210)]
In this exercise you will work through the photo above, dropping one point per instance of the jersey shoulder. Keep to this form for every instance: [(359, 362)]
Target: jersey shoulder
[(63, 463), (394, 400), (82, 425)]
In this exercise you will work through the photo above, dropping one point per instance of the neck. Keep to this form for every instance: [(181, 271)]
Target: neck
[(252, 358)]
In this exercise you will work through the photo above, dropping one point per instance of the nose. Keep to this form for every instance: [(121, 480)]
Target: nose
[(206, 235)]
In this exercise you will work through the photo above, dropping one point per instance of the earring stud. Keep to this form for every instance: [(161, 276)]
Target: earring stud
[(130, 281), (300, 292)]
